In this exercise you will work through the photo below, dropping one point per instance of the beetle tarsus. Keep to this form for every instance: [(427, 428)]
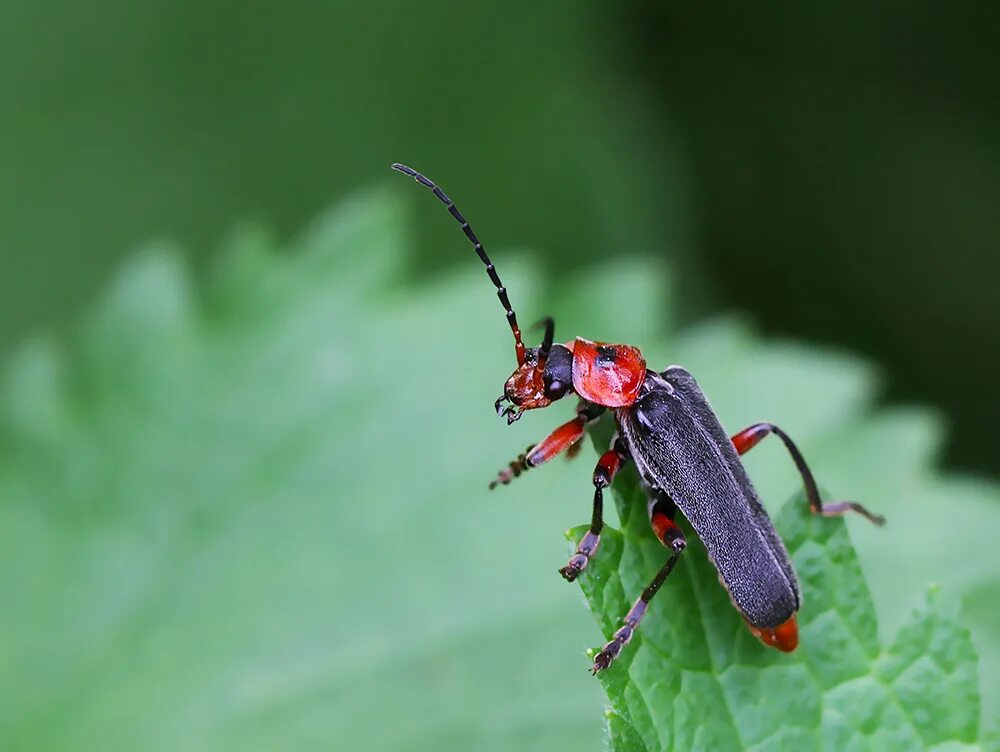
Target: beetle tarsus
[(610, 651), (621, 638), (837, 508), (513, 470), (576, 565), (584, 553)]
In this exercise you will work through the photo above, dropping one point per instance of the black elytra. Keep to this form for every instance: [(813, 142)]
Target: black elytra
[(680, 447)]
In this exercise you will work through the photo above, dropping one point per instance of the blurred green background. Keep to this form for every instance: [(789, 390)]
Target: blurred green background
[(832, 172)]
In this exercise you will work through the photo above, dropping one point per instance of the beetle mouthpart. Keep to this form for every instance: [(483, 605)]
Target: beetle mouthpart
[(499, 403), (512, 413)]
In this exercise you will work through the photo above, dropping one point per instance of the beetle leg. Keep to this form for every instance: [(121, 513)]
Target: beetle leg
[(662, 511), (607, 467), (562, 438), (514, 469), (748, 438)]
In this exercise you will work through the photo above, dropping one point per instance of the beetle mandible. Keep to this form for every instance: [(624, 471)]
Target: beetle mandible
[(685, 460)]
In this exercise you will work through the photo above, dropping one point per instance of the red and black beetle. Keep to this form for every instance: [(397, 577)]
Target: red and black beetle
[(684, 458)]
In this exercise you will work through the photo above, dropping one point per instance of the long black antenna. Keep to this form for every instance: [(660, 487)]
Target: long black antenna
[(490, 269), (546, 346)]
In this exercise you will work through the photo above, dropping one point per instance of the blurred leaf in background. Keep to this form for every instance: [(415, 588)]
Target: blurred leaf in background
[(254, 516), (124, 121), (257, 518), (833, 170)]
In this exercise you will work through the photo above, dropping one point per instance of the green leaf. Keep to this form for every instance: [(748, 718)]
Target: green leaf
[(251, 513), (695, 678)]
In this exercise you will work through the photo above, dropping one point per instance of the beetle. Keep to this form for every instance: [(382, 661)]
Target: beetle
[(685, 460)]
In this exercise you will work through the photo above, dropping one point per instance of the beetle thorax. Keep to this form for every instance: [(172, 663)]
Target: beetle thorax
[(607, 374)]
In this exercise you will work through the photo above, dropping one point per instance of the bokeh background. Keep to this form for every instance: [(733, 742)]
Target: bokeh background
[(831, 172)]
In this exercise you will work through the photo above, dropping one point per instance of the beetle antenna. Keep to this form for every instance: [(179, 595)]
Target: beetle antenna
[(490, 269), (546, 346)]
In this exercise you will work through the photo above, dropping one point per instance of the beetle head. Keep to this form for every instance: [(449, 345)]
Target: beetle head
[(545, 376)]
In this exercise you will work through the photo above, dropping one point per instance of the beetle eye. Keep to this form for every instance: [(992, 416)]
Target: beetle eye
[(555, 389)]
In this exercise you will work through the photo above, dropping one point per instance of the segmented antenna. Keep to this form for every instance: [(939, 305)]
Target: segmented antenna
[(490, 269), (546, 346)]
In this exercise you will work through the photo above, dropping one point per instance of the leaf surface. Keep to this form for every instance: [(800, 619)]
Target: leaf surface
[(695, 678)]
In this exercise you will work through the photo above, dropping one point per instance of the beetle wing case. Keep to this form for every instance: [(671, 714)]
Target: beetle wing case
[(679, 446)]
